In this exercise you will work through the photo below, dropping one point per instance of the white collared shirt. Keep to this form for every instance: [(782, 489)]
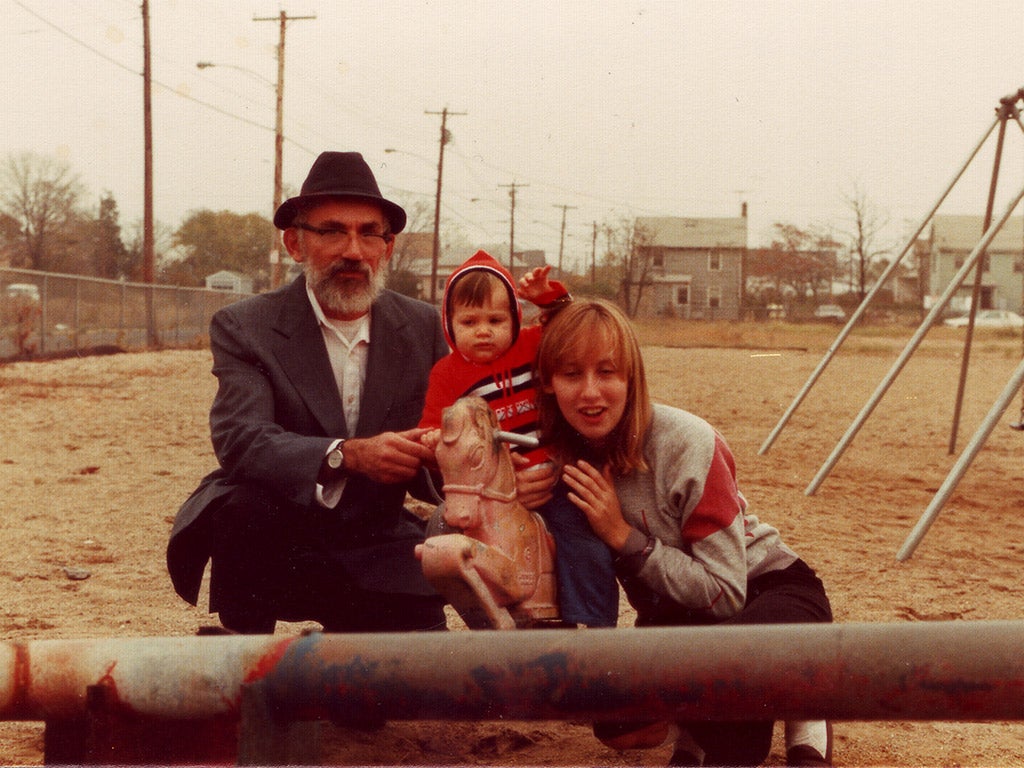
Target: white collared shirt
[(348, 348)]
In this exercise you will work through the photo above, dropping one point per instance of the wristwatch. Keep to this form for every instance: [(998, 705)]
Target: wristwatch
[(336, 457)]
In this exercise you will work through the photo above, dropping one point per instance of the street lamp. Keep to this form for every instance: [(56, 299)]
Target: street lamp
[(275, 255), (257, 75)]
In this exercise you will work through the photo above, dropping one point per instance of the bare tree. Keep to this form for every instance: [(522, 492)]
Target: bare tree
[(866, 225), (420, 219), (42, 195), (799, 262), (630, 251)]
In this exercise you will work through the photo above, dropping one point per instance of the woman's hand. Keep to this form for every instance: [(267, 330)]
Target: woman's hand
[(533, 484), (594, 493)]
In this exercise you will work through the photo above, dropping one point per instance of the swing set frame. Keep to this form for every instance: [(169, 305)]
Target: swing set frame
[(1006, 112)]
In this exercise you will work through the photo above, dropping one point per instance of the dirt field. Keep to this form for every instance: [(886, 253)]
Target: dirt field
[(97, 453)]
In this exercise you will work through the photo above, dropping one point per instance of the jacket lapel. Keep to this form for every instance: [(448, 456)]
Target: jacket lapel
[(383, 366), (299, 348)]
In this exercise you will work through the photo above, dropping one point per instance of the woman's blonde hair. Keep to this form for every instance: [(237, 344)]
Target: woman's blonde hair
[(584, 329)]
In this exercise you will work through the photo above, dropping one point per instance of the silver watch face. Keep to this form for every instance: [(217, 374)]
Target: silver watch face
[(335, 459)]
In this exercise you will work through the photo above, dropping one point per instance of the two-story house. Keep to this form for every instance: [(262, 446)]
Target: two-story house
[(689, 267), (952, 240), (413, 254)]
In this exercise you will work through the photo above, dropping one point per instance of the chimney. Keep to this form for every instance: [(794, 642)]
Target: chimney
[(743, 209)]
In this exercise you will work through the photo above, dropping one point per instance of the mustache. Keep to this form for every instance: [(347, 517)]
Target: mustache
[(349, 266)]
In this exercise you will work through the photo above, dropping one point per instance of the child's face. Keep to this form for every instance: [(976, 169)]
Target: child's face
[(483, 334)]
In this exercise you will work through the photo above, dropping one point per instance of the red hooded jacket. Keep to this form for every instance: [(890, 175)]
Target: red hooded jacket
[(507, 384)]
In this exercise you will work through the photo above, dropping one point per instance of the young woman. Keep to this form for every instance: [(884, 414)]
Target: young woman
[(658, 485)]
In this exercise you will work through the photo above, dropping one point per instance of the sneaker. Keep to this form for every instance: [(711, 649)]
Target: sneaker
[(801, 755)]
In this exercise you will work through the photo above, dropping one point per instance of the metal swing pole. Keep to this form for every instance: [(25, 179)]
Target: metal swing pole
[(950, 483), (912, 345), (855, 317), (1006, 111)]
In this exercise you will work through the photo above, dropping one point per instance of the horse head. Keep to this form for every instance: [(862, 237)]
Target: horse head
[(475, 463)]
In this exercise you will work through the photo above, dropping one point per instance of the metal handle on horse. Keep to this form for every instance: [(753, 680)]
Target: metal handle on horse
[(524, 441)]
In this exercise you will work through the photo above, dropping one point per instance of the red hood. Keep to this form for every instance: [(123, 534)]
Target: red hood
[(483, 261)]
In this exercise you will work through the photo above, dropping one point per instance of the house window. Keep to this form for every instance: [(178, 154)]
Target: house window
[(714, 261), (1018, 265), (714, 297), (682, 294), (658, 259)]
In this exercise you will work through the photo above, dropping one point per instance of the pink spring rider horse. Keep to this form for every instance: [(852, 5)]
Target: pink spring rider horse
[(493, 560)]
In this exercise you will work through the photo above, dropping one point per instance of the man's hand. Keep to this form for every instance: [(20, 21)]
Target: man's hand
[(533, 484), (390, 457)]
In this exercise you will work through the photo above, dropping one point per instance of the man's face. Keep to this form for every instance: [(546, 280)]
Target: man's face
[(484, 333), (340, 245)]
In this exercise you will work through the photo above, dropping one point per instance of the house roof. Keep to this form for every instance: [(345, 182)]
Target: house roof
[(679, 232), (953, 232)]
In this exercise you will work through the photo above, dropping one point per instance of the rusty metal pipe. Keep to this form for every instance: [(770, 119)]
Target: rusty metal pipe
[(911, 671), (165, 677)]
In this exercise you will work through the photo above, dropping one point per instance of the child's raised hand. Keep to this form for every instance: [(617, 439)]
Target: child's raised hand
[(535, 283)]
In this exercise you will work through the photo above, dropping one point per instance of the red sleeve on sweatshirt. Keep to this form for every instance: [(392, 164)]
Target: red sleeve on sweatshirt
[(721, 500)]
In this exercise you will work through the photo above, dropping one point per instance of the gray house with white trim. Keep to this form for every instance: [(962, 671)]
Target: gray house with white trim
[(954, 238), (690, 267)]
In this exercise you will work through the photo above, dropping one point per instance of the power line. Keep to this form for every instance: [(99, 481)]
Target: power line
[(121, 65)]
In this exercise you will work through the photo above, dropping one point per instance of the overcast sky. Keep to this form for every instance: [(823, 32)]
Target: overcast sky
[(611, 109)]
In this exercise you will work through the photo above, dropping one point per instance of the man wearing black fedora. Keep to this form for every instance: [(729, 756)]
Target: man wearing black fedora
[(320, 388)]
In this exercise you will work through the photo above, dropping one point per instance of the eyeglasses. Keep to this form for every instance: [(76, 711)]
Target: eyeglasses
[(368, 240)]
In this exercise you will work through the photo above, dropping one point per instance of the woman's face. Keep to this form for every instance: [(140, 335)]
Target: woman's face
[(591, 390)]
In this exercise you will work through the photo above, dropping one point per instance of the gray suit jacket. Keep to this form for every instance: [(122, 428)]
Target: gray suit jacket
[(277, 410)]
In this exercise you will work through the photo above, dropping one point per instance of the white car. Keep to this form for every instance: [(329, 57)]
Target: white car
[(832, 312), (23, 291), (988, 318)]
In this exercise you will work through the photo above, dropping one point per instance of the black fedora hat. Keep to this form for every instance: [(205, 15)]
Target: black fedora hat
[(339, 174)]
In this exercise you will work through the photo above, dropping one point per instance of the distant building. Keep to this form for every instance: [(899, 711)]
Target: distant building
[(413, 253), (225, 280), (952, 240), (689, 267)]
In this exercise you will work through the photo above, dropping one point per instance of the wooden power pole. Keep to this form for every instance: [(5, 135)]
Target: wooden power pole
[(436, 248), (512, 226), (148, 248), (275, 254)]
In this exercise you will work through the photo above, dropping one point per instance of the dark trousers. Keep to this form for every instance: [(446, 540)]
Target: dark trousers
[(273, 560), (793, 595)]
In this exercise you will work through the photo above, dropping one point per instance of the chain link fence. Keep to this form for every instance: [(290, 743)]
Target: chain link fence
[(45, 313)]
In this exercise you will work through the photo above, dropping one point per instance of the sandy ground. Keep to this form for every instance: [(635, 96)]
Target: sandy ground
[(97, 453)]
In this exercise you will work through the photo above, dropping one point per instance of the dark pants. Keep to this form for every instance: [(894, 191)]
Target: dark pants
[(793, 595), (588, 592), (273, 560)]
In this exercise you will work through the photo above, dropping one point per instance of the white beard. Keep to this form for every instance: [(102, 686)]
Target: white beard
[(345, 297)]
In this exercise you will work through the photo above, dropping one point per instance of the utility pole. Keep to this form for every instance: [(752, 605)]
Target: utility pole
[(512, 226), (561, 241), (445, 138), (275, 255), (148, 247), (593, 256)]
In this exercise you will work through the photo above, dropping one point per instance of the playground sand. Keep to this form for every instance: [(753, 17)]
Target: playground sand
[(97, 453)]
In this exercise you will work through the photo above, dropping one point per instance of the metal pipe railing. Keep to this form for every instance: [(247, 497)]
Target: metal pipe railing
[(903, 671)]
